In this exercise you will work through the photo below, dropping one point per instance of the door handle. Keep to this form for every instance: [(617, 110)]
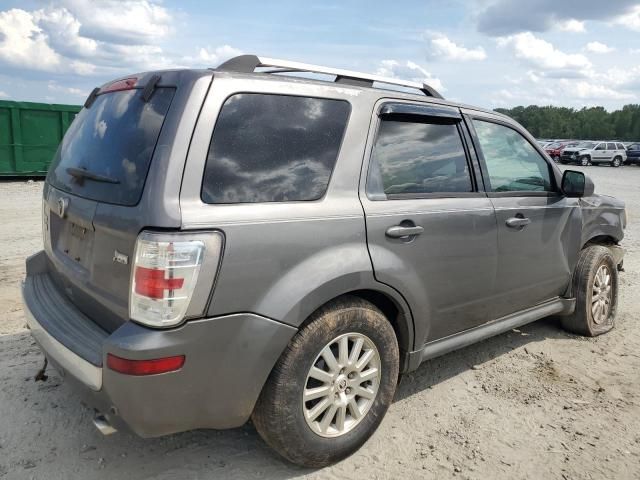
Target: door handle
[(518, 222), (400, 231)]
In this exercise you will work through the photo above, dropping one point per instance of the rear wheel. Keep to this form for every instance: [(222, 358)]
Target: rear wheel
[(332, 386), (616, 162), (595, 287)]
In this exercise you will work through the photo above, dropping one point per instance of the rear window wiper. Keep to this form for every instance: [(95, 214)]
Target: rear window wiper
[(81, 173)]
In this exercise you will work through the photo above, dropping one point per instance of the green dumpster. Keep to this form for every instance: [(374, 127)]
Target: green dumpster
[(30, 134)]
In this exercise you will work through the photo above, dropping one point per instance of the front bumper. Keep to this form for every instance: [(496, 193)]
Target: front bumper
[(228, 360), (618, 255)]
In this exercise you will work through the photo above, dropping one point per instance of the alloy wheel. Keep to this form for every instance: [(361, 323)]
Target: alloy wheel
[(341, 385), (601, 295)]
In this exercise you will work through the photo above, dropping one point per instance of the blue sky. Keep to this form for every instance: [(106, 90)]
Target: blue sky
[(492, 53)]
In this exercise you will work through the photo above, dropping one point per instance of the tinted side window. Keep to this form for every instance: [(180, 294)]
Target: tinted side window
[(273, 148), (411, 158), (611, 146), (513, 164), (601, 146), (619, 146)]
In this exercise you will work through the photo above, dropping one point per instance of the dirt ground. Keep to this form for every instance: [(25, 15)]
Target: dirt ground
[(532, 403)]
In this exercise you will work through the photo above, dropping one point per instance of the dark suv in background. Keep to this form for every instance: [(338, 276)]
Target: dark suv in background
[(238, 243), (633, 154)]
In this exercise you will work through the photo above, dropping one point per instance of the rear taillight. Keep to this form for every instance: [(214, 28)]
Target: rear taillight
[(165, 274)]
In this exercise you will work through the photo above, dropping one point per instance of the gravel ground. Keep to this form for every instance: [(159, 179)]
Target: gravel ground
[(532, 403)]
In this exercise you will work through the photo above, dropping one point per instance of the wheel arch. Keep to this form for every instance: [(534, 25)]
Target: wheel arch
[(600, 239), (394, 308)]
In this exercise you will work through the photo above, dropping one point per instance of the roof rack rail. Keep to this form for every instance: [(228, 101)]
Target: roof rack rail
[(249, 63)]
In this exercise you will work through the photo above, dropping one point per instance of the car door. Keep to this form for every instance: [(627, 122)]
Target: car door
[(431, 231), (612, 151), (599, 153), (538, 228)]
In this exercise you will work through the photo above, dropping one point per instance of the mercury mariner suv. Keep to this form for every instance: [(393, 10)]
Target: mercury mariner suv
[(243, 243)]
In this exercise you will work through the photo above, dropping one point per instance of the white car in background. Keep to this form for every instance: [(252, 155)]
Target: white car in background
[(588, 153)]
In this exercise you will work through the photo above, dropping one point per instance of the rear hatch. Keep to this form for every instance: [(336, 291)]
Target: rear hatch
[(93, 198)]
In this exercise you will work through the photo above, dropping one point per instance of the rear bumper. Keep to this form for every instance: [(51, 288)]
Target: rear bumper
[(87, 374), (228, 359)]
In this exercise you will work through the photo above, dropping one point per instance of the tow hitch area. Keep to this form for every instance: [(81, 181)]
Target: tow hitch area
[(41, 376)]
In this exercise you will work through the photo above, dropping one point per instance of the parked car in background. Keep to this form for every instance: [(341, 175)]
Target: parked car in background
[(633, 154), (592, 153), (554, 150)]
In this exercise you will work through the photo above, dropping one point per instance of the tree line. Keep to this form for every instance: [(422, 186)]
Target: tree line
[(593, 123)]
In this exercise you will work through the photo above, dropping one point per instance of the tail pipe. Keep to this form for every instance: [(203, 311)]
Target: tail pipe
[(103, 425)]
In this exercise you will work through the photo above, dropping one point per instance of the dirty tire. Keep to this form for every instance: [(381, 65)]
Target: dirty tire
[(582, 320), (278, 415)]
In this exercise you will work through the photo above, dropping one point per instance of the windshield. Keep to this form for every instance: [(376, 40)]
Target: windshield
[(106, 152)]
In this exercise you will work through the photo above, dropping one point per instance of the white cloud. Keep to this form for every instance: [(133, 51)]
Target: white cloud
[(63, 32), (441, 46), (55, 87), (4, 94), (598, 47), (122, 21), (586, 90), (541, 53), (572, 25), (408, 71), (101, 37), (630, 20), (23, 43), (212, 57)]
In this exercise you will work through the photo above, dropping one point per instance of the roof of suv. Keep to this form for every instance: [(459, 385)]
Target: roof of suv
[(245, 66)]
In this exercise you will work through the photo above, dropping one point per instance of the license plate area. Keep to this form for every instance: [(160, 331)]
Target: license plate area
[(73, 240)]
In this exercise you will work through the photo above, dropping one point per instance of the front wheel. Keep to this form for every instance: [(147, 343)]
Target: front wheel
[(332, 386), (595, 287), (556, 159), (584, 161)]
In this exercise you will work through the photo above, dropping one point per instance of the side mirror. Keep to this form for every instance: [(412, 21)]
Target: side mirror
[(576, 184)]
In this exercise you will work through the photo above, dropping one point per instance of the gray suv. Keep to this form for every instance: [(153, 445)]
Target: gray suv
[(241, 242)]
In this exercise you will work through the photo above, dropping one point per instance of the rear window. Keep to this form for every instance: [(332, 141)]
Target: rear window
[(113, 140), (273, 148)]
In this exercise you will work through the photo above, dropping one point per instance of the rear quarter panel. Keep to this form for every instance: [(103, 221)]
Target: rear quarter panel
[(284, 260)]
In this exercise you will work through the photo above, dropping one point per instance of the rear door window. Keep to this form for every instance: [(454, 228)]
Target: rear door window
[(114, 139), (273, 148), (611, 146), (413, 159)]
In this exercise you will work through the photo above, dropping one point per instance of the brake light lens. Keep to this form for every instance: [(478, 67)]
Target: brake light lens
[(164, 277), (152, 282), (120, 85), (144, 367)]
